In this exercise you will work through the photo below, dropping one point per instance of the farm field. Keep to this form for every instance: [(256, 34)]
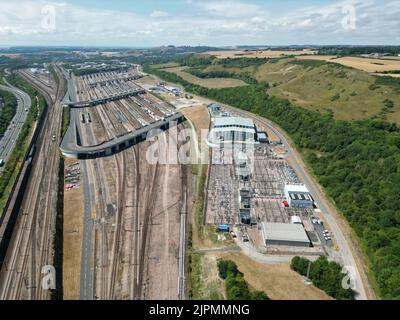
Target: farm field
[(213, 83), (365, 64), (258, 53), (347, 93)]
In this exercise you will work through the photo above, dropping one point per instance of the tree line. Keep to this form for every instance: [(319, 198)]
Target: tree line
[(8, 111), (327, 276)]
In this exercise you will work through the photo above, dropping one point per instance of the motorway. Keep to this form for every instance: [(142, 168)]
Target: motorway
[(10, 136), (345, 255)]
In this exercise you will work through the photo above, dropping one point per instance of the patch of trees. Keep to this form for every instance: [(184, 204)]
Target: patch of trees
[(235, 285), (246, 77), (241, 62), (388, 81), (201, 61), (308, 63), (19, 150), (391, 72), (327, 276), (8, 110), (195, 60), (346, 51), (358, 163)]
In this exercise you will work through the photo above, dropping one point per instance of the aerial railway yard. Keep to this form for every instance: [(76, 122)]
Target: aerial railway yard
[(132, 227), (31, 246)]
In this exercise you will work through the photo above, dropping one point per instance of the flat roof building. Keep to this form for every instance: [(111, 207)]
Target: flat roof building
[(286, 234), (298, 196), (262, 137), (232, 129)]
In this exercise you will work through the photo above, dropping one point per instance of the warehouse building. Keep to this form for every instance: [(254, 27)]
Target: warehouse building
[(298, 196), (285, 234), (232, 130)]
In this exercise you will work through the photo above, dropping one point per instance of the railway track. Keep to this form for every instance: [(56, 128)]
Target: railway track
[(123, 237), (32, 240), (120, 162)]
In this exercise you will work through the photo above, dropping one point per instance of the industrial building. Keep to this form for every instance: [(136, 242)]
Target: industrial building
[(262, 137), (214, 107), (242, 162), (285, 234), (244, 216), (232, 130), (244, 196), (298, 196)]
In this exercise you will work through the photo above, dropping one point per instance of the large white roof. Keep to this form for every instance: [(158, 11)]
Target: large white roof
[(233, 121), (285, 232), (296, 188)]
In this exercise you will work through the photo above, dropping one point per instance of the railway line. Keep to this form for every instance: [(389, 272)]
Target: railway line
[(125, 192), (31, 244)]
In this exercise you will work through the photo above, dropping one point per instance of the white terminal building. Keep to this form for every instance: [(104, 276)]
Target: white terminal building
[(298, 196), (232, 130)]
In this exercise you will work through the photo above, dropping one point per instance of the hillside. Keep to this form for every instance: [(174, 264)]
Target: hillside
[(348, 93)]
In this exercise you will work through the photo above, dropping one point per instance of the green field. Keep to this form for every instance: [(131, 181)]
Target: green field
[(211, 83), (349, 94)]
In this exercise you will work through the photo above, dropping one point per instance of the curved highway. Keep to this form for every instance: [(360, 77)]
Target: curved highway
[(10, 136)]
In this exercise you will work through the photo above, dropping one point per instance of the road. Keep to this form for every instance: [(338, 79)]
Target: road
[(86, 287), (10, 136), (86, 274), (345, 255)]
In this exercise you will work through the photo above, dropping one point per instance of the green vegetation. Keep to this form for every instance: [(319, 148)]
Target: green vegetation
[(388, 81), (308, 63), (348, 51), (65, 121), (335, 97), (246, 77), (57, 294), (327, 276), (201, 288), (8, 111), (236, 286), (358, 163), (14, 162), (200, 197), (391, 72)]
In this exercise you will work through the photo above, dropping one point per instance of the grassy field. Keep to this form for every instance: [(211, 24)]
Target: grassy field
[(278, 281), (216, 83), (349, 94), (365, 64)]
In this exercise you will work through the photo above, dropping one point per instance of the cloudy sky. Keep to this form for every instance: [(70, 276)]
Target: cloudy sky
[(193, 22)]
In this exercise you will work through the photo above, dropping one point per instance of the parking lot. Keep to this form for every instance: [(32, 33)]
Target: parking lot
[(72, 176)]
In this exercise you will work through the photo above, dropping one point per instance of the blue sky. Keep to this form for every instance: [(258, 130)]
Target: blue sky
[(192, 22)]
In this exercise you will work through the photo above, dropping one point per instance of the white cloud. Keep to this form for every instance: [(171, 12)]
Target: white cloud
[(159, 14), (207, 22), (229, 9)]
